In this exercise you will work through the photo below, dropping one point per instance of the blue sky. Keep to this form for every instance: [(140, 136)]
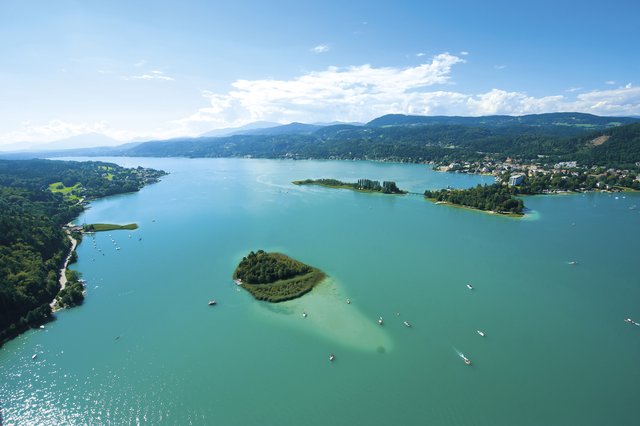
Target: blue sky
[(161, 69)]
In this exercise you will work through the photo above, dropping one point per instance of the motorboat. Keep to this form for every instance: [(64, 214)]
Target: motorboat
[(304, 315), (480, 332), (348, 301), (212, 302), (380, 322), (332, 357), (629, 320), (34, 356), (469, 286), (466, 360), (238, 281), (407, 324)]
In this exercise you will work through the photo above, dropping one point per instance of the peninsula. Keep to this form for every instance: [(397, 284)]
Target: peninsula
[(101, 227), (275, 277), (363, 185)]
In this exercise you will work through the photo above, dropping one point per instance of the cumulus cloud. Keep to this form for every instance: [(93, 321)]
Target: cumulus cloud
[(420, 54), (354, 93), (360, 93), (464, 53), (321, 48), (610, 82), (153, 75), (499, 67)]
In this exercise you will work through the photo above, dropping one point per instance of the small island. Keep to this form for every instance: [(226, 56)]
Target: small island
[(363, 185), (275, 277)]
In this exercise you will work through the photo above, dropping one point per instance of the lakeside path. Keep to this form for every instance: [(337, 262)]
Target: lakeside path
[(63, 275)]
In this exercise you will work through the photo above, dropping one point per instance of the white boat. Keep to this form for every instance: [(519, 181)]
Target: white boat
[(304, 315), (480, 332), (212, 302), (466, 360), (42, 327), (469, 286), (332, 357), (34, 356), (407, 324), (348, 301), (380, 321), (238, 281)]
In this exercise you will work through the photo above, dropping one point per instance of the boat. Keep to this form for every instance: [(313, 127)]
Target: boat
[(469, 286), (42, 327), (407, 324), (212, 302), (480, 332), (332, 357), (380, 321), (348, 301), (629, 320), (466, 360), (304, 315), (34, 356), (238, 281)]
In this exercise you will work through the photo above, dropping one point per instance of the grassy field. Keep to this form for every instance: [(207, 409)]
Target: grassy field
[(282, 290), (69, 192)]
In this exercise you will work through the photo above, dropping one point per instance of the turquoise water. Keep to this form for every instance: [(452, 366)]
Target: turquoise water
[(146, 348)]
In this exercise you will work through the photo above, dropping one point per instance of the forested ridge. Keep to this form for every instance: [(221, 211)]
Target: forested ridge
[(33, 245), (531, 138)]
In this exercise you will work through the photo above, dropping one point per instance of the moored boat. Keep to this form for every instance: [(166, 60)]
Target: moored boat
[(332, 357), (480, 332), (469, 286), (406, 323), (380, 322), (212, 302)]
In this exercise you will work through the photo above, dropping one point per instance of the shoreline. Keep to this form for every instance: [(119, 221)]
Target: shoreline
[(63, 275)]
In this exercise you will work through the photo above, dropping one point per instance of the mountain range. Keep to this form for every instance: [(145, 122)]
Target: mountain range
[(396, 137)]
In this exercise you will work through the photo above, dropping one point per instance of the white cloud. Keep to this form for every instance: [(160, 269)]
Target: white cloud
[(321, 48), (499, 67), (573, 89), (420, 54), (140, 63), (464, 53), (352, 94), (610, 82), (360, 93), (153, 75)]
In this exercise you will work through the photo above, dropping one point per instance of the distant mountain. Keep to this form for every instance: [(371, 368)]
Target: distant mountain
[(572, 119), (87, 140), (285, 129), (585, 138), (239, 130)]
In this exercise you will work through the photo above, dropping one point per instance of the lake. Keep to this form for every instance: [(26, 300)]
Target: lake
[(146, 348)]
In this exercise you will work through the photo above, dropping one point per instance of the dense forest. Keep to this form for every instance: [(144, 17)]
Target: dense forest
[(33, 245), (542, 138), (275, 277), (495, 198)]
